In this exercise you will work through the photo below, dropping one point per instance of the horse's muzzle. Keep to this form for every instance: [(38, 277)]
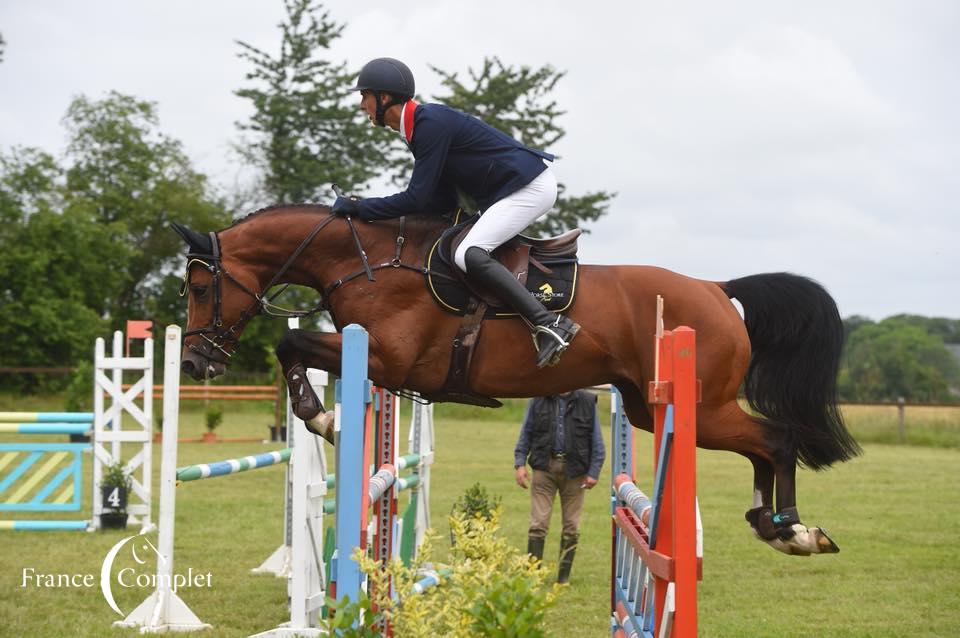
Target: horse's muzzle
[(200, 367)]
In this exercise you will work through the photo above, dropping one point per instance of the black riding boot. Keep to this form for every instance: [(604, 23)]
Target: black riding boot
[(535, 547), (552, 333), (568, 548)]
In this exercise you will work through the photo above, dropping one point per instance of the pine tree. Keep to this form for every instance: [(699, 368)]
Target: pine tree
[(307, 130)]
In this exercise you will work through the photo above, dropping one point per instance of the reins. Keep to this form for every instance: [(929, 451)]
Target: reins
[(216, 347)]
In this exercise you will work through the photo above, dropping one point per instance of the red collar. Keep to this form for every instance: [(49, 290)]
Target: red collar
[(406, 118)]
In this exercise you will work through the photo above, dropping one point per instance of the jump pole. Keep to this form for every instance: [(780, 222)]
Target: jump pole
[(163, 610), (120, 429), (278, 563), (351, 425), (657, 541)]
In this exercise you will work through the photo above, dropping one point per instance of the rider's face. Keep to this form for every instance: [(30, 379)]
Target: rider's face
[(368, 104)]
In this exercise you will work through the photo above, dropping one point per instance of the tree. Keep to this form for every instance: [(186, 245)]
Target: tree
[(517, 101), (306, 129), (86, 244), (850, 324), (3, 45), (946, 329), (891, 359), (306, 133), (56, 268), (134, 180)]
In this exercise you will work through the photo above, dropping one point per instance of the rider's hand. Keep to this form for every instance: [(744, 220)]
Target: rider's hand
[(522, 476), (345, 206), (588, 483)]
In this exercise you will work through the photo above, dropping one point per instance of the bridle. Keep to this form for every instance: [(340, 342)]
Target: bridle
[(219, 343), (215, 347)]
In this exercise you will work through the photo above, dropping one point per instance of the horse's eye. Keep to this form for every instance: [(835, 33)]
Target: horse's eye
[(198, 291)]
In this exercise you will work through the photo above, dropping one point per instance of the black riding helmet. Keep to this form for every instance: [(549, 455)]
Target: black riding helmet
[(386, 75)]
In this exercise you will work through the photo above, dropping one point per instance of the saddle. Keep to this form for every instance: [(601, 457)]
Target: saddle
[(547, 267)]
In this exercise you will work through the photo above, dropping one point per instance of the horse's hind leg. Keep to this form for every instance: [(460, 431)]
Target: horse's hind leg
[(761, 514), (793, 537), (774, 466)]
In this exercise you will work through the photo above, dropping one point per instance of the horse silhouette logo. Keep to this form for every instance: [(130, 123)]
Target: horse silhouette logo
[(546, 293)]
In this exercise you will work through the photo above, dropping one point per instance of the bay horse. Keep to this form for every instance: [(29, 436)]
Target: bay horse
[(785, 351)]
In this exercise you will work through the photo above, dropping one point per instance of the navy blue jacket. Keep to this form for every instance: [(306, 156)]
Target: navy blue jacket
[(454, 151)]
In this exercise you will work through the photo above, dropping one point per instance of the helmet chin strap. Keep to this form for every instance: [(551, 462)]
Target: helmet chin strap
[(382, 108)]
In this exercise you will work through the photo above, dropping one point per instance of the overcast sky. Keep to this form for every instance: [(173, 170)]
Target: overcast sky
[(741, 137)]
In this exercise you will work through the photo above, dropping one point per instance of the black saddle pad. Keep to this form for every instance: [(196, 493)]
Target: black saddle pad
[(555, 290)]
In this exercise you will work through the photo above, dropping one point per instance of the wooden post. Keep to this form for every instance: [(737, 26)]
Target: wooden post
[(901, 429)]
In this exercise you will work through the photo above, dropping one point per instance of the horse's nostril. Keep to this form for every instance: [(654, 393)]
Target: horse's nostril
[(187, 367)]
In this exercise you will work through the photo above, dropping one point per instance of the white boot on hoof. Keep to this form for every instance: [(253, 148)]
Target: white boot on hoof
[(322, 425)]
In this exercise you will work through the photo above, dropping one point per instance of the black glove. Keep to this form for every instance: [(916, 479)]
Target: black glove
[(345, 206)]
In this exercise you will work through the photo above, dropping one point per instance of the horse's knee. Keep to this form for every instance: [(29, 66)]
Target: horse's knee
[(287, 348)]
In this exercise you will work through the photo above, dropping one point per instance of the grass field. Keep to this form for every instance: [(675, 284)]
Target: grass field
[(895, 512)]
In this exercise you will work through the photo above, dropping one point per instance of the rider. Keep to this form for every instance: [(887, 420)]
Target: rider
[(455, 152)]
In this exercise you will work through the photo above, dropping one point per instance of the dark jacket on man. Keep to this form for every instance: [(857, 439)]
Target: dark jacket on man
[(581, 441), (455, 152)]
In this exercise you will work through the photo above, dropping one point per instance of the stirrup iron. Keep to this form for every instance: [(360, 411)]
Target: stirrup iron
[(536, 331)]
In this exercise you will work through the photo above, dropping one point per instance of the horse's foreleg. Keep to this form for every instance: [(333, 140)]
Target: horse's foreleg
[(302, 349), (297, 351)]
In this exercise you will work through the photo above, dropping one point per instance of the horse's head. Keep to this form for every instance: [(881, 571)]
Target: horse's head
[(220, 303)]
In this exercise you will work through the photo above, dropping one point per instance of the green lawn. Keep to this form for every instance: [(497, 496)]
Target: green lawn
[(895, 512)]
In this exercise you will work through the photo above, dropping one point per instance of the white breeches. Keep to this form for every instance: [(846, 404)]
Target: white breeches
[(510, 215)]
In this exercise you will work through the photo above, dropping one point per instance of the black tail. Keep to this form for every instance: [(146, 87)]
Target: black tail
[(797, 336)]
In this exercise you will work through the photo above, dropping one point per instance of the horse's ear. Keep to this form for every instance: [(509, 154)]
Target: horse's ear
[(199, 243)]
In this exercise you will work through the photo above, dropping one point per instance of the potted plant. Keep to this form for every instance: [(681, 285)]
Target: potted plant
[(278, 433), (214, 417), (115, 486)]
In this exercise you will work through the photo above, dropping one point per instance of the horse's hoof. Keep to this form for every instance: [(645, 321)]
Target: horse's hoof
[(824, 542), (804, 542), (322, 426)]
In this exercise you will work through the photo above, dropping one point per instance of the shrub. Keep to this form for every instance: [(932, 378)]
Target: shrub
[(475, 502), (489, 589)]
